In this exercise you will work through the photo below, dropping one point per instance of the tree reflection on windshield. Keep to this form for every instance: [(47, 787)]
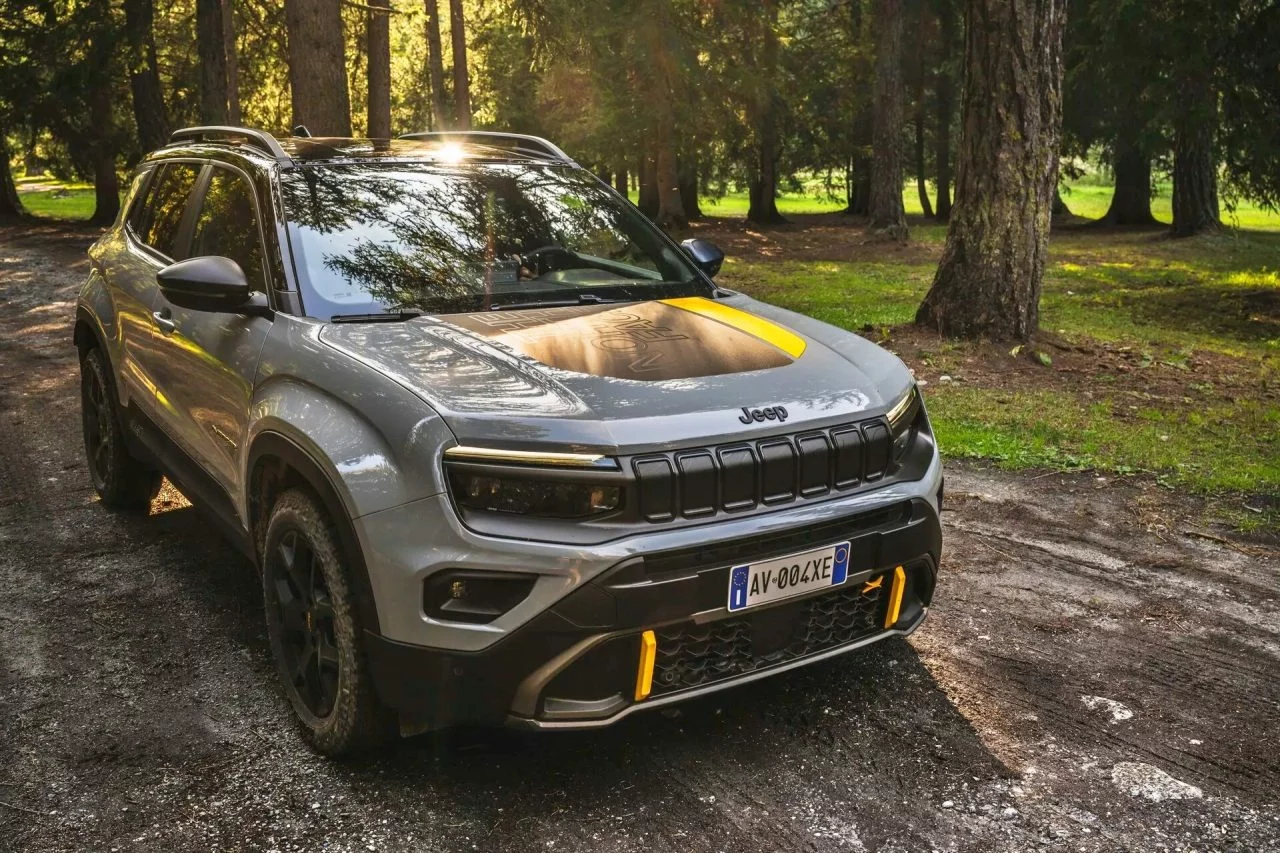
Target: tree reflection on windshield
[(478, 236)]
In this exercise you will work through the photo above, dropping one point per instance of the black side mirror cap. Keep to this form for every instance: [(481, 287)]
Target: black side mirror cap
[(209, 283), (706, 255)]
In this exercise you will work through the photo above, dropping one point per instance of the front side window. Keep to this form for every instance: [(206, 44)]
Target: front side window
[(167, 200), (481, 236), (228, 225)]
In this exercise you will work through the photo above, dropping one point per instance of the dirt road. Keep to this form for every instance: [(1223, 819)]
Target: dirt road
[(1096, 675)]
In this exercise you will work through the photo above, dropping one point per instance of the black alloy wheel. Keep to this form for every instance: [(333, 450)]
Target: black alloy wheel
[(309, 650)]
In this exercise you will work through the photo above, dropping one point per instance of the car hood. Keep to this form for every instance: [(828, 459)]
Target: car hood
[(630, 377)]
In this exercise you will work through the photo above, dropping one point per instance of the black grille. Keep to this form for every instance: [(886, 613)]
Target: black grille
[(770, 471), (692, 655)]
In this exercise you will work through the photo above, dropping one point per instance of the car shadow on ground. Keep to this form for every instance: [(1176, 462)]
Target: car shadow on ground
[(856, 735)]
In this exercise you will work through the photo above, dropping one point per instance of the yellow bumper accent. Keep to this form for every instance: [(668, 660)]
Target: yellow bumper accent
[(895, 597), (785, 340), (644, 674)]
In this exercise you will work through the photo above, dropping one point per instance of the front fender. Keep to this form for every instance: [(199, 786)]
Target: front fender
[(371, 468)]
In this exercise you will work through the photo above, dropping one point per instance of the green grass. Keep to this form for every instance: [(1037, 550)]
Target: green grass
[(1198, 319), (62, 200)]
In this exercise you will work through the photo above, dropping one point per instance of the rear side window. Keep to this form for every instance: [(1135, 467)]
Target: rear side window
[(160, 222), (228, 225)]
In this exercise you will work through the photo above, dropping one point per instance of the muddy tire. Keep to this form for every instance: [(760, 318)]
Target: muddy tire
[(122, 482), (315, 632)]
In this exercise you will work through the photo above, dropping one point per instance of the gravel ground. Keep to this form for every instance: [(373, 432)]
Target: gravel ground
[(1099, 673)]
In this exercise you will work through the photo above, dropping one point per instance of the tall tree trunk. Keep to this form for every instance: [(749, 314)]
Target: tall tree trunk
[(318, 66), (1195, 169), (10, 205), (888, 217), (924, 36), (648, 201), (687, 171), (671, 214), (858, 189), (763, 207), (944, 99), (988, 281), (922, 186), (1060, 210), (461, 84), (621, 182), (435, 64), (1131, 201), (106, 182), (212, 49), (144, 75), (233, 61), (378, 33)]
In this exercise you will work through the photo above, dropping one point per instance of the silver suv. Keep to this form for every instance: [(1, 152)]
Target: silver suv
[(502, 451)]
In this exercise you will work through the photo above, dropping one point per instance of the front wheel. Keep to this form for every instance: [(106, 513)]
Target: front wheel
[(315, 631), (122, 482)]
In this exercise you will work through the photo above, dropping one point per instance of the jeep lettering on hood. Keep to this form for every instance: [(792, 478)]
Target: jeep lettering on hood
[(647, 341)]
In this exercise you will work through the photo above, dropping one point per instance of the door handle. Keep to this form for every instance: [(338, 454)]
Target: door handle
[(164, 321)]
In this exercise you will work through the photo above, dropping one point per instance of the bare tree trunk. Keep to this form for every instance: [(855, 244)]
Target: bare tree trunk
[(435, 62), (106, 182), (461, 85), (10, 205), (233, 61), (687, 170), (211, 47), (763, 207), (648, 201), (318, 66), (144, 75), (988, 282), (1131, 201), (944, 93), (1060, 210), (378, 33), (1195, 169), (621, 181), (671, 214), (888, 217)]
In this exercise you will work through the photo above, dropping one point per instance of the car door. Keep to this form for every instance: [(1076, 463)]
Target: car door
[(204, 380), (151, 236)]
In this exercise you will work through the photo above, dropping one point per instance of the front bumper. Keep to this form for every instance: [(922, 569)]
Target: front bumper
[(575, 664)]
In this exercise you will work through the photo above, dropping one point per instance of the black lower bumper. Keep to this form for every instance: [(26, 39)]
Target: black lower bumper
[(575, 665)]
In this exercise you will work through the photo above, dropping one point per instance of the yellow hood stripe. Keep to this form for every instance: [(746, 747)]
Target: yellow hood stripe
[(784, 339)]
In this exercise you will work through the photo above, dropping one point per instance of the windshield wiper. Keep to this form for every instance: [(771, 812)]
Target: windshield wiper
[(383, 317), (582, 299)]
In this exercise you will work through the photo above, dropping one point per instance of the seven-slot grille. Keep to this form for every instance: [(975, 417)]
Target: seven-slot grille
[(744, 475)]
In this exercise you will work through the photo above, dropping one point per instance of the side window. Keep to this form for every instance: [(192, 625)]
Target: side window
[(167, 199), (228, 225), (140, 194)]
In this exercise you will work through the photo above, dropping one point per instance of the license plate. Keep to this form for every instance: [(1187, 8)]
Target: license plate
[(760, 583)]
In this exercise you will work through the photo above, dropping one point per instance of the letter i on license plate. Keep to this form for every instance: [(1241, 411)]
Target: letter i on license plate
[(760, 583)]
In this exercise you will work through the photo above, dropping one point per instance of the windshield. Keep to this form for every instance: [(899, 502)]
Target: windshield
[(443, 240)]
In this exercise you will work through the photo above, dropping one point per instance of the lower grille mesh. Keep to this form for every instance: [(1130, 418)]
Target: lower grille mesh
[(692, 655)]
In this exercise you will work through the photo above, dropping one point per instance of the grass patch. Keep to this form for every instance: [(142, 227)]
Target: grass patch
[(1220, 444), (49, 198)]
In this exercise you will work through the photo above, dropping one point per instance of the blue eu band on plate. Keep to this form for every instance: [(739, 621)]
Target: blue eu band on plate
[(760, 583)]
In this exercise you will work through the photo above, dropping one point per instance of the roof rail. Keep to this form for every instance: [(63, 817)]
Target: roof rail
[(521, 142), (259, 139)]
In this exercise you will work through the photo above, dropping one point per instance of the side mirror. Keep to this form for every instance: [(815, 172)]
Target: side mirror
[(706, 255), (209, 283)]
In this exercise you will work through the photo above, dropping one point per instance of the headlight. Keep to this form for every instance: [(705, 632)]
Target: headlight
[(902, 418), (532, 496)]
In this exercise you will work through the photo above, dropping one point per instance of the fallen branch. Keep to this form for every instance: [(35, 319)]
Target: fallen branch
[(21, 808)]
